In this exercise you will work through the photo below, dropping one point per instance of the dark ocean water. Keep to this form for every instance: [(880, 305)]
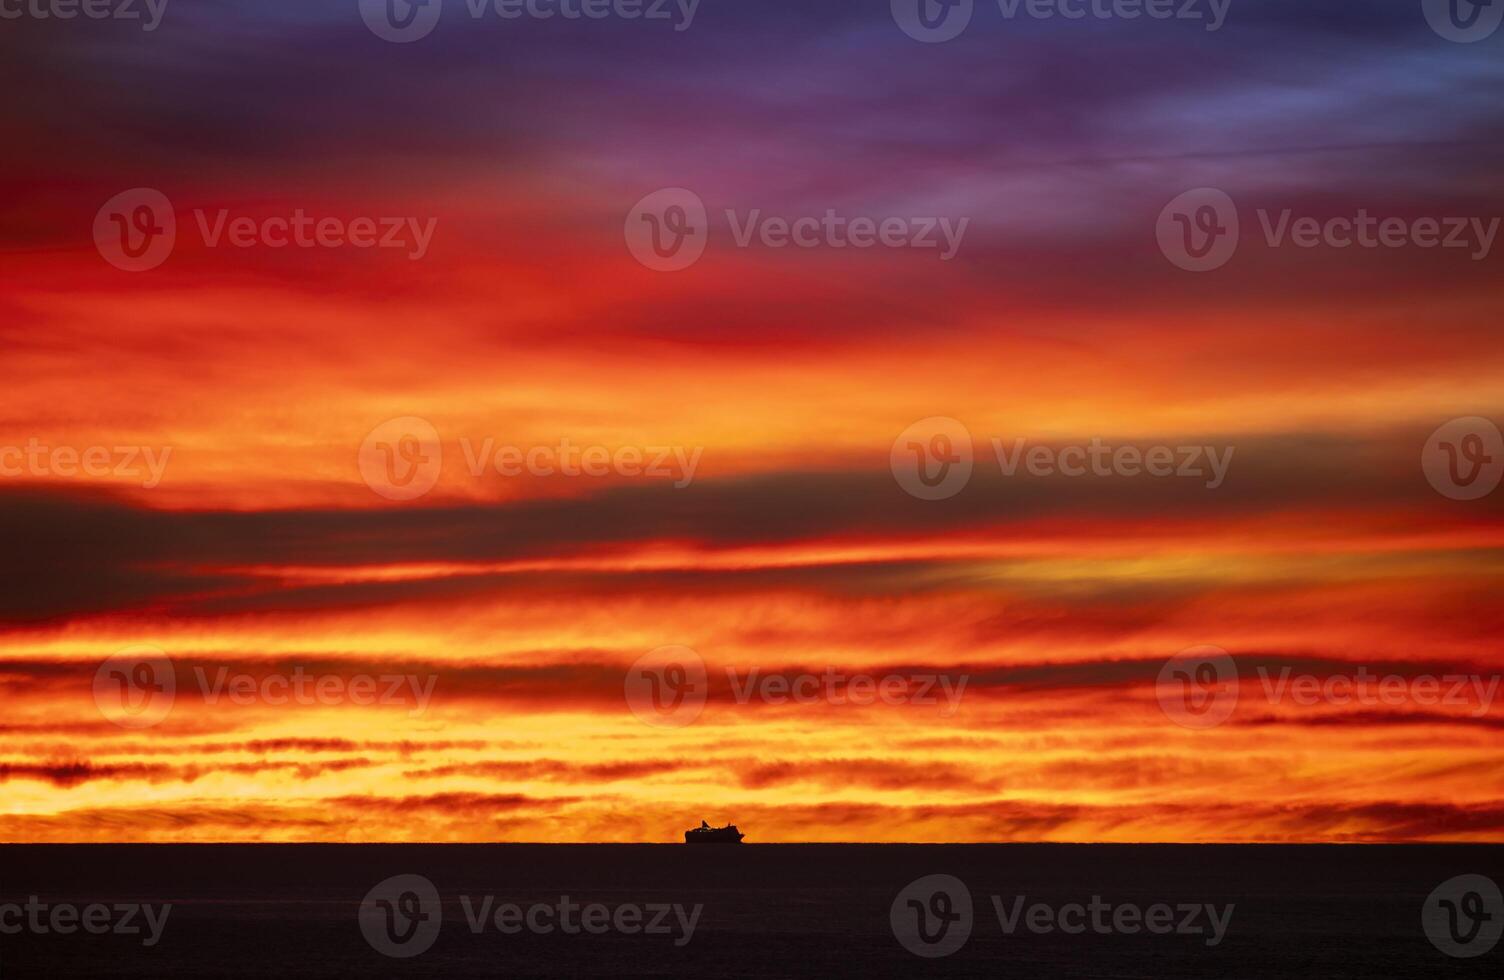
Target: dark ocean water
[(766, 910)]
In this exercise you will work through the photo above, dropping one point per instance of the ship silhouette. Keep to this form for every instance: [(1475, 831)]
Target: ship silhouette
[(706, 834)]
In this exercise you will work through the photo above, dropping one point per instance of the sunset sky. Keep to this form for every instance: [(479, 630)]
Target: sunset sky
[(256, 374)]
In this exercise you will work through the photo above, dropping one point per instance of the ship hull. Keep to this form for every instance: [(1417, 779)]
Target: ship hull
[(712, 837)]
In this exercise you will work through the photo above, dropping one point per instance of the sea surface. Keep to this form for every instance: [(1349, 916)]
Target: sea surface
[(828, 911)]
